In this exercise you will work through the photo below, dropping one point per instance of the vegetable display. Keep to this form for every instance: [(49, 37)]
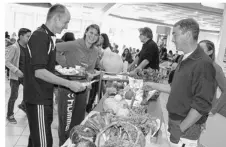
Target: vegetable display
[(109, 130), (123, 122), (120, 134), (149, 75)]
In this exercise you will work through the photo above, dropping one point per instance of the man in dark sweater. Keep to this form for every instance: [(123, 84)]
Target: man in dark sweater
[(193, 86)]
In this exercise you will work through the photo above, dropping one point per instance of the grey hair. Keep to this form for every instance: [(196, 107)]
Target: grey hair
[(146, 32), (189, 24)]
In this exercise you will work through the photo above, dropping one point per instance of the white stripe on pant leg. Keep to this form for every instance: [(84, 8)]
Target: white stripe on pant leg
[(40, 127), (43, 124)]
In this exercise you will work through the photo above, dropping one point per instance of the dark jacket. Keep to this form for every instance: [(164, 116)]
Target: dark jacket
[(193, 86)]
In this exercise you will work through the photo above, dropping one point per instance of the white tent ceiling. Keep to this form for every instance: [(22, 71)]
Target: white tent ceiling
[(209, 18), (160, 13)]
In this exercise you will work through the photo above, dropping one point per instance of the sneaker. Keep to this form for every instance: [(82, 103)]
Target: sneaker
[(11, 119), (22, 107)]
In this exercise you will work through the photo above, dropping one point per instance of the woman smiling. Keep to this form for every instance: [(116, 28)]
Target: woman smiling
[(82, 52)]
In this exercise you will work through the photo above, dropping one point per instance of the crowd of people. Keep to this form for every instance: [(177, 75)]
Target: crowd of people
[(32, 58)]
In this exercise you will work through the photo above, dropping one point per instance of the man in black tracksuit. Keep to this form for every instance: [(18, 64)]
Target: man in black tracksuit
[(40, 58)]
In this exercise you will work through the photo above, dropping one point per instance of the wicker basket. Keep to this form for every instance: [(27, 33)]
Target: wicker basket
[(138, 141)]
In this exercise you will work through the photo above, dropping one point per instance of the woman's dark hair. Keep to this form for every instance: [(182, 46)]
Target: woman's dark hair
[(128, 57), (123, 54), (106, 42), (7, 35), (68, 36), (94, 26), (210, 46)]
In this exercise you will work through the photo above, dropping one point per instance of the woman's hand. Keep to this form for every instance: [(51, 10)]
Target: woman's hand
[(76, 86), (133, 73)]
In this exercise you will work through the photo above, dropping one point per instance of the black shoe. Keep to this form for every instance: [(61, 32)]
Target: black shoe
[(11, 119), (22, 107)]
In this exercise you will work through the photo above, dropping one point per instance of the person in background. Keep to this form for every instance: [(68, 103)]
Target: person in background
[(137, 52), (113, 45), (170, 55), (39, 78), (7, 35), (124, 47), (115, 49), (133, 53), (111, 61), (81, 52), (7, 43), (14, 35), (217, 118), (106, 43), (130, 49), (149, 54), (126, 56), (99, 45), (193, 86), (12, 40), (175, 55), (220, 104), (134, 50), (68, 36), (163, 56), (15, 58)]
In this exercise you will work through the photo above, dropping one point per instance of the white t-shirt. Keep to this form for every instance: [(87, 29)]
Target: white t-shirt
[(111, 62), (186, 55)]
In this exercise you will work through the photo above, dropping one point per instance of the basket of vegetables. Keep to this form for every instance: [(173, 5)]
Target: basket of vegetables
[(120, 134)]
